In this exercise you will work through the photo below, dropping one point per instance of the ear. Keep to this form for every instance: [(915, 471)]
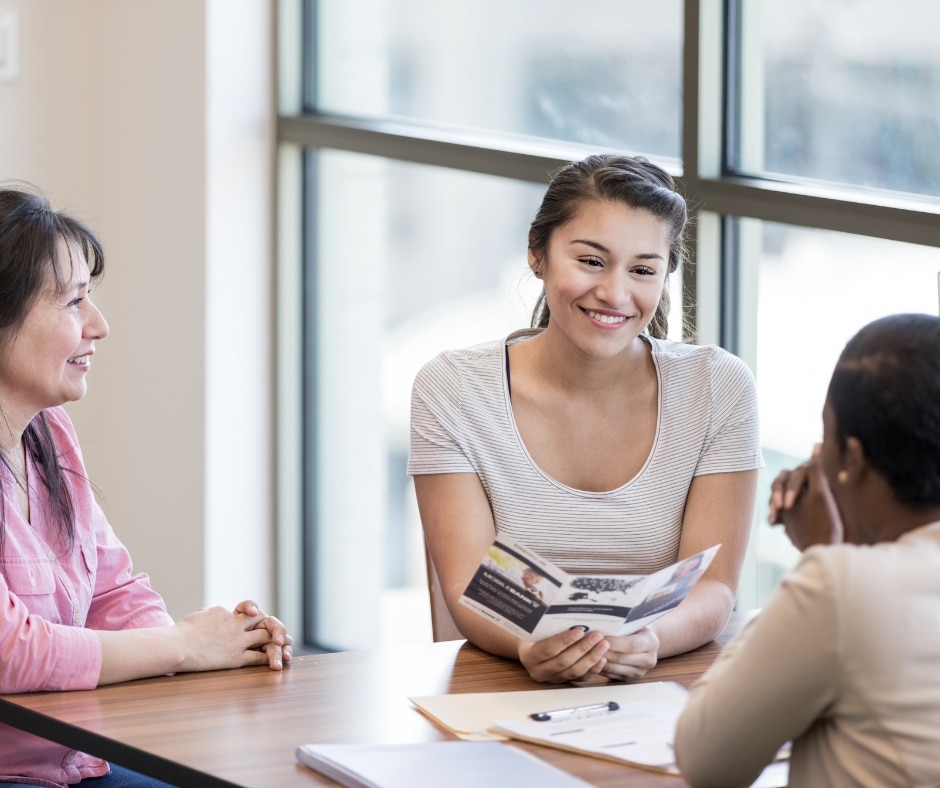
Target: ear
[(854, 460), (535, 262)]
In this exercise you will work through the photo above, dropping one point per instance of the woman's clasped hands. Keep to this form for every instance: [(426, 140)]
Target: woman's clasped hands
[(576, 655), (217, 638), (801, 500)]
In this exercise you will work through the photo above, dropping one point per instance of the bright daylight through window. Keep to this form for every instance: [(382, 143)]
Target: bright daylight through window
[(416, 140)]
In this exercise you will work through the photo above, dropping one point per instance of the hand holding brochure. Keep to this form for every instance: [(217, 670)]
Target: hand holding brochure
[(529, 596)]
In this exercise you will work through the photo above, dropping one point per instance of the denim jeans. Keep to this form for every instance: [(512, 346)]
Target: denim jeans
[(119, 778)]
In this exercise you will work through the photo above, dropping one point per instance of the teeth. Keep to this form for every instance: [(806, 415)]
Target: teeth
[(80, 359), (609, 319)]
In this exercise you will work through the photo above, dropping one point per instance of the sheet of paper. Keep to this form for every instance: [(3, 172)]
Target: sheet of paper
[(639, 733), (470, 715)]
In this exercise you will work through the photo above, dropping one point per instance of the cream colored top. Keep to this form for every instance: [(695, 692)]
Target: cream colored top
[(462, 422), (844, 660)]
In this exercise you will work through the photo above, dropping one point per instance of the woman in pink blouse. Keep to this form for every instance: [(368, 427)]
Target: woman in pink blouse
[(73, 615)]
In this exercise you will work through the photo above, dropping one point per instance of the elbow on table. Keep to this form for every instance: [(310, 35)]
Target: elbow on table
[(703, 765)]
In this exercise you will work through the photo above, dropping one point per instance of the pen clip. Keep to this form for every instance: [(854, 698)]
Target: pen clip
[(563, 714)]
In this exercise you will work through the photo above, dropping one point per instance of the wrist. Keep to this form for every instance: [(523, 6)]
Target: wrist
[(177, 645)]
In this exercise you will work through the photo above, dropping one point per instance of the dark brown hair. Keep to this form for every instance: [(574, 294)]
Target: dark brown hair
[(30, 235)]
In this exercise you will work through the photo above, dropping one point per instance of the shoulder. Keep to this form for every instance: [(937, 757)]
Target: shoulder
[(858, 571), (709, 364), (64, 438), (454, 365), (878, 594), (890, 563), (61, 427), (710, 357)]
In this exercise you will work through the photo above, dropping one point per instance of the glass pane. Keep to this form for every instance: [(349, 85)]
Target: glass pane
[(410, 260), (845, 92), (800, 309), (406, 268), (598, 72)]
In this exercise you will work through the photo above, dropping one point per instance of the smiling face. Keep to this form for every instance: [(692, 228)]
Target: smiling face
[(604, 273), (43, 363)]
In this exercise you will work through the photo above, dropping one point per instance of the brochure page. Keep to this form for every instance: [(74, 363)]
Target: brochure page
[(531, 597)]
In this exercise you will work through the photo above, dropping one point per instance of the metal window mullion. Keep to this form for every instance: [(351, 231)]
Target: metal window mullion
[(702, 157), (890, 217), (502, 155)]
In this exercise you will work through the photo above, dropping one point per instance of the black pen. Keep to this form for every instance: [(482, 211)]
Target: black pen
[(560, 714)]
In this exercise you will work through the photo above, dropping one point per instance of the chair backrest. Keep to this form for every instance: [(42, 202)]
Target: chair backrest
[(442, 625)]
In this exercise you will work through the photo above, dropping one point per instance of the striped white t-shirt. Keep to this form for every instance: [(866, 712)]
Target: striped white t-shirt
[(462, 422)]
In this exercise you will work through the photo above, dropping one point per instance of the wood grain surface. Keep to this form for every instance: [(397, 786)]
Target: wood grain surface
[(241, 727)]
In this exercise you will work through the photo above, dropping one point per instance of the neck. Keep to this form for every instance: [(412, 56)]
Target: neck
[(894, 526), (880, 517), (12, 429), (559, 362)]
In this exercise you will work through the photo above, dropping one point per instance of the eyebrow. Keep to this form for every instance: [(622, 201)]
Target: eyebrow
[(70, 288), (605, 250)]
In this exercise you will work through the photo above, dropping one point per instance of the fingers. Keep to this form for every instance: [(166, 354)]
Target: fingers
[(274, 657), (277, 645), (814, 518), (216, 638), (815, 478), (267, 641), (568, 656), (277, 632), (250, 609), (278, 656), (632, 656), (787, 488)]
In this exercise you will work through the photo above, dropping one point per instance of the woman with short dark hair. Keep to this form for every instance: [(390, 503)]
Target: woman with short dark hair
[(844, 660)]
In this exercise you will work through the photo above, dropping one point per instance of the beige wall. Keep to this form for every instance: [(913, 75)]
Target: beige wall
[(153, 120)]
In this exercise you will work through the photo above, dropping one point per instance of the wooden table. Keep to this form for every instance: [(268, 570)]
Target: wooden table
[(241, 727)]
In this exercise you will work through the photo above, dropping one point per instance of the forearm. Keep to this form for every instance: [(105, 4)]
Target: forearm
[(700, 618), (766, 687), (209, 639), (138, 653), (482, 633), (714, 744)]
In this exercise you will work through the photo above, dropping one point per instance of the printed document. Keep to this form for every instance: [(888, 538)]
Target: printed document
[(533, 599)]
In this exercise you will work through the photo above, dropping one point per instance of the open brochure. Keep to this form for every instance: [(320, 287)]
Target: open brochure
[(529, 596)]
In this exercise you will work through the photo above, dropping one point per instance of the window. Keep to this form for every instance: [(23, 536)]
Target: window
[(416, 140), (553, 69), (404, 270), (841, 92)]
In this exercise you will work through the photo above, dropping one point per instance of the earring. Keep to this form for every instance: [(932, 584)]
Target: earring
[(842, 476), (537, 272)]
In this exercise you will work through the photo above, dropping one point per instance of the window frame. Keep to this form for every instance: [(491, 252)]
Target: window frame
[(717, 196)]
